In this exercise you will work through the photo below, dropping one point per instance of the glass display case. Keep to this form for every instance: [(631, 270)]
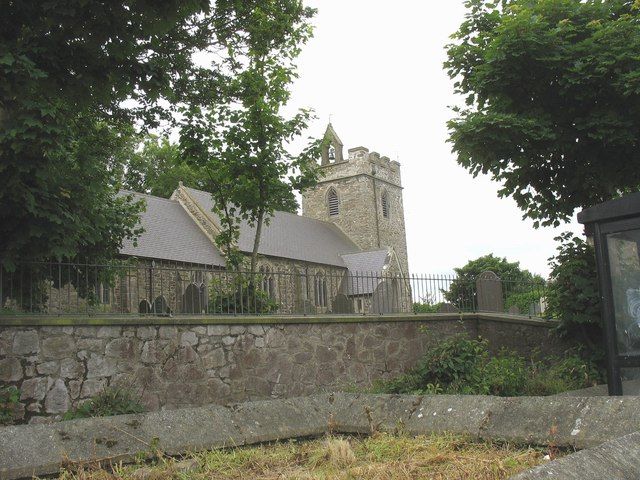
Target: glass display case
[(615, 229)]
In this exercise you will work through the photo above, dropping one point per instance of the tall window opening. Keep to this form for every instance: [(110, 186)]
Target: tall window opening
[(267, 283), (320, 290), (385, 205), (333, 203)]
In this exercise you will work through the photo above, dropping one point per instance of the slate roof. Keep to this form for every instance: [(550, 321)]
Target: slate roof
[(290, 236), (170, 234), (364, 268)]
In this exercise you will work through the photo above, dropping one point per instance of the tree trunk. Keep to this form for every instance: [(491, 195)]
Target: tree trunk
[(256, 243)]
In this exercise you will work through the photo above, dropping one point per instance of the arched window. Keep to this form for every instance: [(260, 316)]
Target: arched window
[(267, 283), (332, 154), (332, 202), (385, 205), (320, 288)]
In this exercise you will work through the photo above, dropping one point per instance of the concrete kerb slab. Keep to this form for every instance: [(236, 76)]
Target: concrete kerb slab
[(617, 459), (27, 450)]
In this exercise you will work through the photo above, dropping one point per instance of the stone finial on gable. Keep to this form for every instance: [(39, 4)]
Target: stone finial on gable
[(331, 147)]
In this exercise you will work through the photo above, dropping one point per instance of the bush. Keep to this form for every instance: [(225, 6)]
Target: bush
[(572, 294), (9, 399), (426, 307), (462, 291), (504, 375), (239, 295), (523, 300), (460, 365), (453, 362), (572, 372), (111, 401)]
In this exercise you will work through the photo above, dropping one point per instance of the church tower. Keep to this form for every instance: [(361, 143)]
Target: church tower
[(362, 195)]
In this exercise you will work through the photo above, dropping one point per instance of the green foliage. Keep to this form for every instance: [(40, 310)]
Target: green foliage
[(65, 69), (238, 136), (573, 296), (157, 168), (504, 375), (68, 206), (517, 282), (111, 401), (454, 361), (524, 300), (426, 307), (237, 293), (9, 399), (572, 372), (460, 365), (552, 97)]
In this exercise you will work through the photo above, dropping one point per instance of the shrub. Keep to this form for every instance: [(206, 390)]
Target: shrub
[(504, 375), (461, 365), (523, 300), (9, 399), (572, 294), (426, 307), (462, 290), (111, 401), (239, 295), (453, 362)]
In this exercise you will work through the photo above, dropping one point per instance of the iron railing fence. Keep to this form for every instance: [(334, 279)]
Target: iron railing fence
[(153, 288)]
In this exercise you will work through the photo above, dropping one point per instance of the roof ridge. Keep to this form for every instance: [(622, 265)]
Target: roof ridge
[(140, 194), (288, 213), (382, 249)]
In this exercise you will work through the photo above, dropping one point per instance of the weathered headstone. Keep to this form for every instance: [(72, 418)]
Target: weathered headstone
[(192, 300), (342, 304), (447, 308), (489, 292), (160, 306), (535, 309), (304, 306), (144, 307)]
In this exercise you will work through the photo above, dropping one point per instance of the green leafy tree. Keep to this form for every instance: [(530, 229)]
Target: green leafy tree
[(572, 295), (516, 281), (240, 144), (65, 69), (553, 100), (157, 168)]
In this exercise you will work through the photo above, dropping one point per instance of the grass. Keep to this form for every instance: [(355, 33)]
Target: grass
[(380, 456)]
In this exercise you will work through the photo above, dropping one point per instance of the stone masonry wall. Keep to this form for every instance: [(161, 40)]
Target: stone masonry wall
[(169, 366)]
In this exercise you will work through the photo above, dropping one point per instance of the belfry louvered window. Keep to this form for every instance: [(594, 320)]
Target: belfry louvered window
[(332, 201), (385, 205)]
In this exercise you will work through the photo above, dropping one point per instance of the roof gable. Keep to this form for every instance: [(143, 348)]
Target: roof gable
[(288, 235), (170, 234)]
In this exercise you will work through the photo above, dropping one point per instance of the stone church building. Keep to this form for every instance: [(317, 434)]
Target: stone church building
[(346, 253)]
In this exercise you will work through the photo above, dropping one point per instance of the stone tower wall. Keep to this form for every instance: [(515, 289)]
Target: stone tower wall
[(359, 218)]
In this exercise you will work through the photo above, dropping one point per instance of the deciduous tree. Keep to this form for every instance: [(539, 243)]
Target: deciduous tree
[(552, 89), (65, 69), (241, 143), (157, 167)]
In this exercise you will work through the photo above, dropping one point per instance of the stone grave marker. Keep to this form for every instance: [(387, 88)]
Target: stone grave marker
[(447, 308), (489, 292)]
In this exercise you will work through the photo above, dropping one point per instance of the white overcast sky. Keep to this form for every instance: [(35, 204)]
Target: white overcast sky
[(376, 67)]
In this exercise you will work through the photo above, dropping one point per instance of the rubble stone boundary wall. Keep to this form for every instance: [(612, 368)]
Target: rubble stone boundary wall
[(36, 450), (179, 362)]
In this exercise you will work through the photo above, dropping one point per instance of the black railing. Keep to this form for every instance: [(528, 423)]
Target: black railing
[(151, 288)]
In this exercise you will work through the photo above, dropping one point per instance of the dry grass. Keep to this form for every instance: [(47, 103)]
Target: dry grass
[(380, 457)]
